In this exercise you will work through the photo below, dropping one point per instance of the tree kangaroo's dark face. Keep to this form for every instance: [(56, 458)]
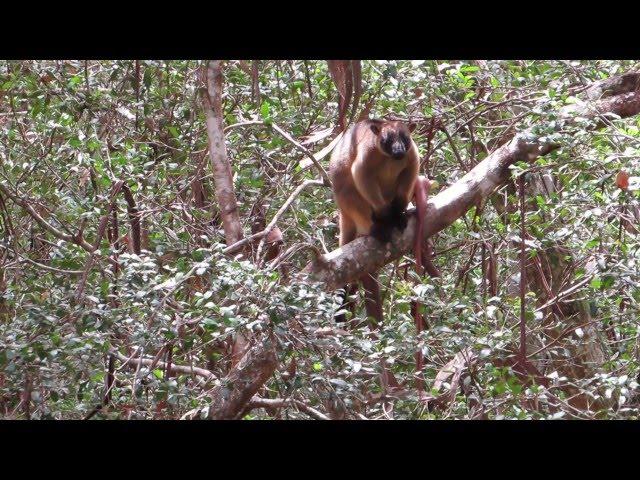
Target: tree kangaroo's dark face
[(394, 138)]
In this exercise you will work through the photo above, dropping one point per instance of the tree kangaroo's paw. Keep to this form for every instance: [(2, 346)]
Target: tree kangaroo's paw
[(381, 232), (400, 221)]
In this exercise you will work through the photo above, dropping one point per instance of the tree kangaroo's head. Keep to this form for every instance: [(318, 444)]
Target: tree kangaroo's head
[(393, 138)]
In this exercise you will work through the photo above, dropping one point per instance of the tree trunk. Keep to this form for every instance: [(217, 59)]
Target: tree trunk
[(222, 176)]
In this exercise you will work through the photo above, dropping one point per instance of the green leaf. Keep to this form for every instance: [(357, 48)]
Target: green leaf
[(592, 243), (173, 131), (297, 85), (147, 77), (265, 109)]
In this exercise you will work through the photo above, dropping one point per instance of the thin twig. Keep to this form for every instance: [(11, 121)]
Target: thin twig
[(133, 362), (45, 267), (283, 209), (523, 275), (259, 402), (187, 276), (565, 293), (306, 151)]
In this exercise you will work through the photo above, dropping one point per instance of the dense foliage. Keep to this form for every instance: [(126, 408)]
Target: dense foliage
[(70, 130)]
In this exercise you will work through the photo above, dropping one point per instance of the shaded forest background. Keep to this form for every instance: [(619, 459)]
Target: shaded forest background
[(156, 217)]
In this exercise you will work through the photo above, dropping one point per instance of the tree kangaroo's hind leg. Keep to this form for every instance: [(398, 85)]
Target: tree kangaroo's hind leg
[(372, 301), (350, 228), (348, 233)]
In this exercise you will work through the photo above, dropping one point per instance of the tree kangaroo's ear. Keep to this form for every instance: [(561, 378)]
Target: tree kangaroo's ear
[(375, 128), (412, 126)]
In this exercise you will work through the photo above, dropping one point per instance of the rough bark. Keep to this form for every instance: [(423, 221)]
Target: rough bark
[(230, 399), (627, 82), (363, 255)]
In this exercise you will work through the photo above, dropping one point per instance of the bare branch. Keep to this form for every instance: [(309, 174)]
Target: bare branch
[(363, 255), (44, 267), (306, 151), (43, 223), (230, 399), (283, 209), (147, 362), (218, 152), (259, 402), (265, 233)]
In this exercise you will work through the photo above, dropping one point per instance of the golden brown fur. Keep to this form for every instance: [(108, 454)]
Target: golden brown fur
[(373, 170), (366, 179)]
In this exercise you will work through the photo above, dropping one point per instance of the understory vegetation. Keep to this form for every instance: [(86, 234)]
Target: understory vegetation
[(120, 297)]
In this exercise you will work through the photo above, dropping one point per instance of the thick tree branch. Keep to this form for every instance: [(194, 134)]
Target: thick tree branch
[(223, 178), (625, 83), (230, 399), (363, 255)]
